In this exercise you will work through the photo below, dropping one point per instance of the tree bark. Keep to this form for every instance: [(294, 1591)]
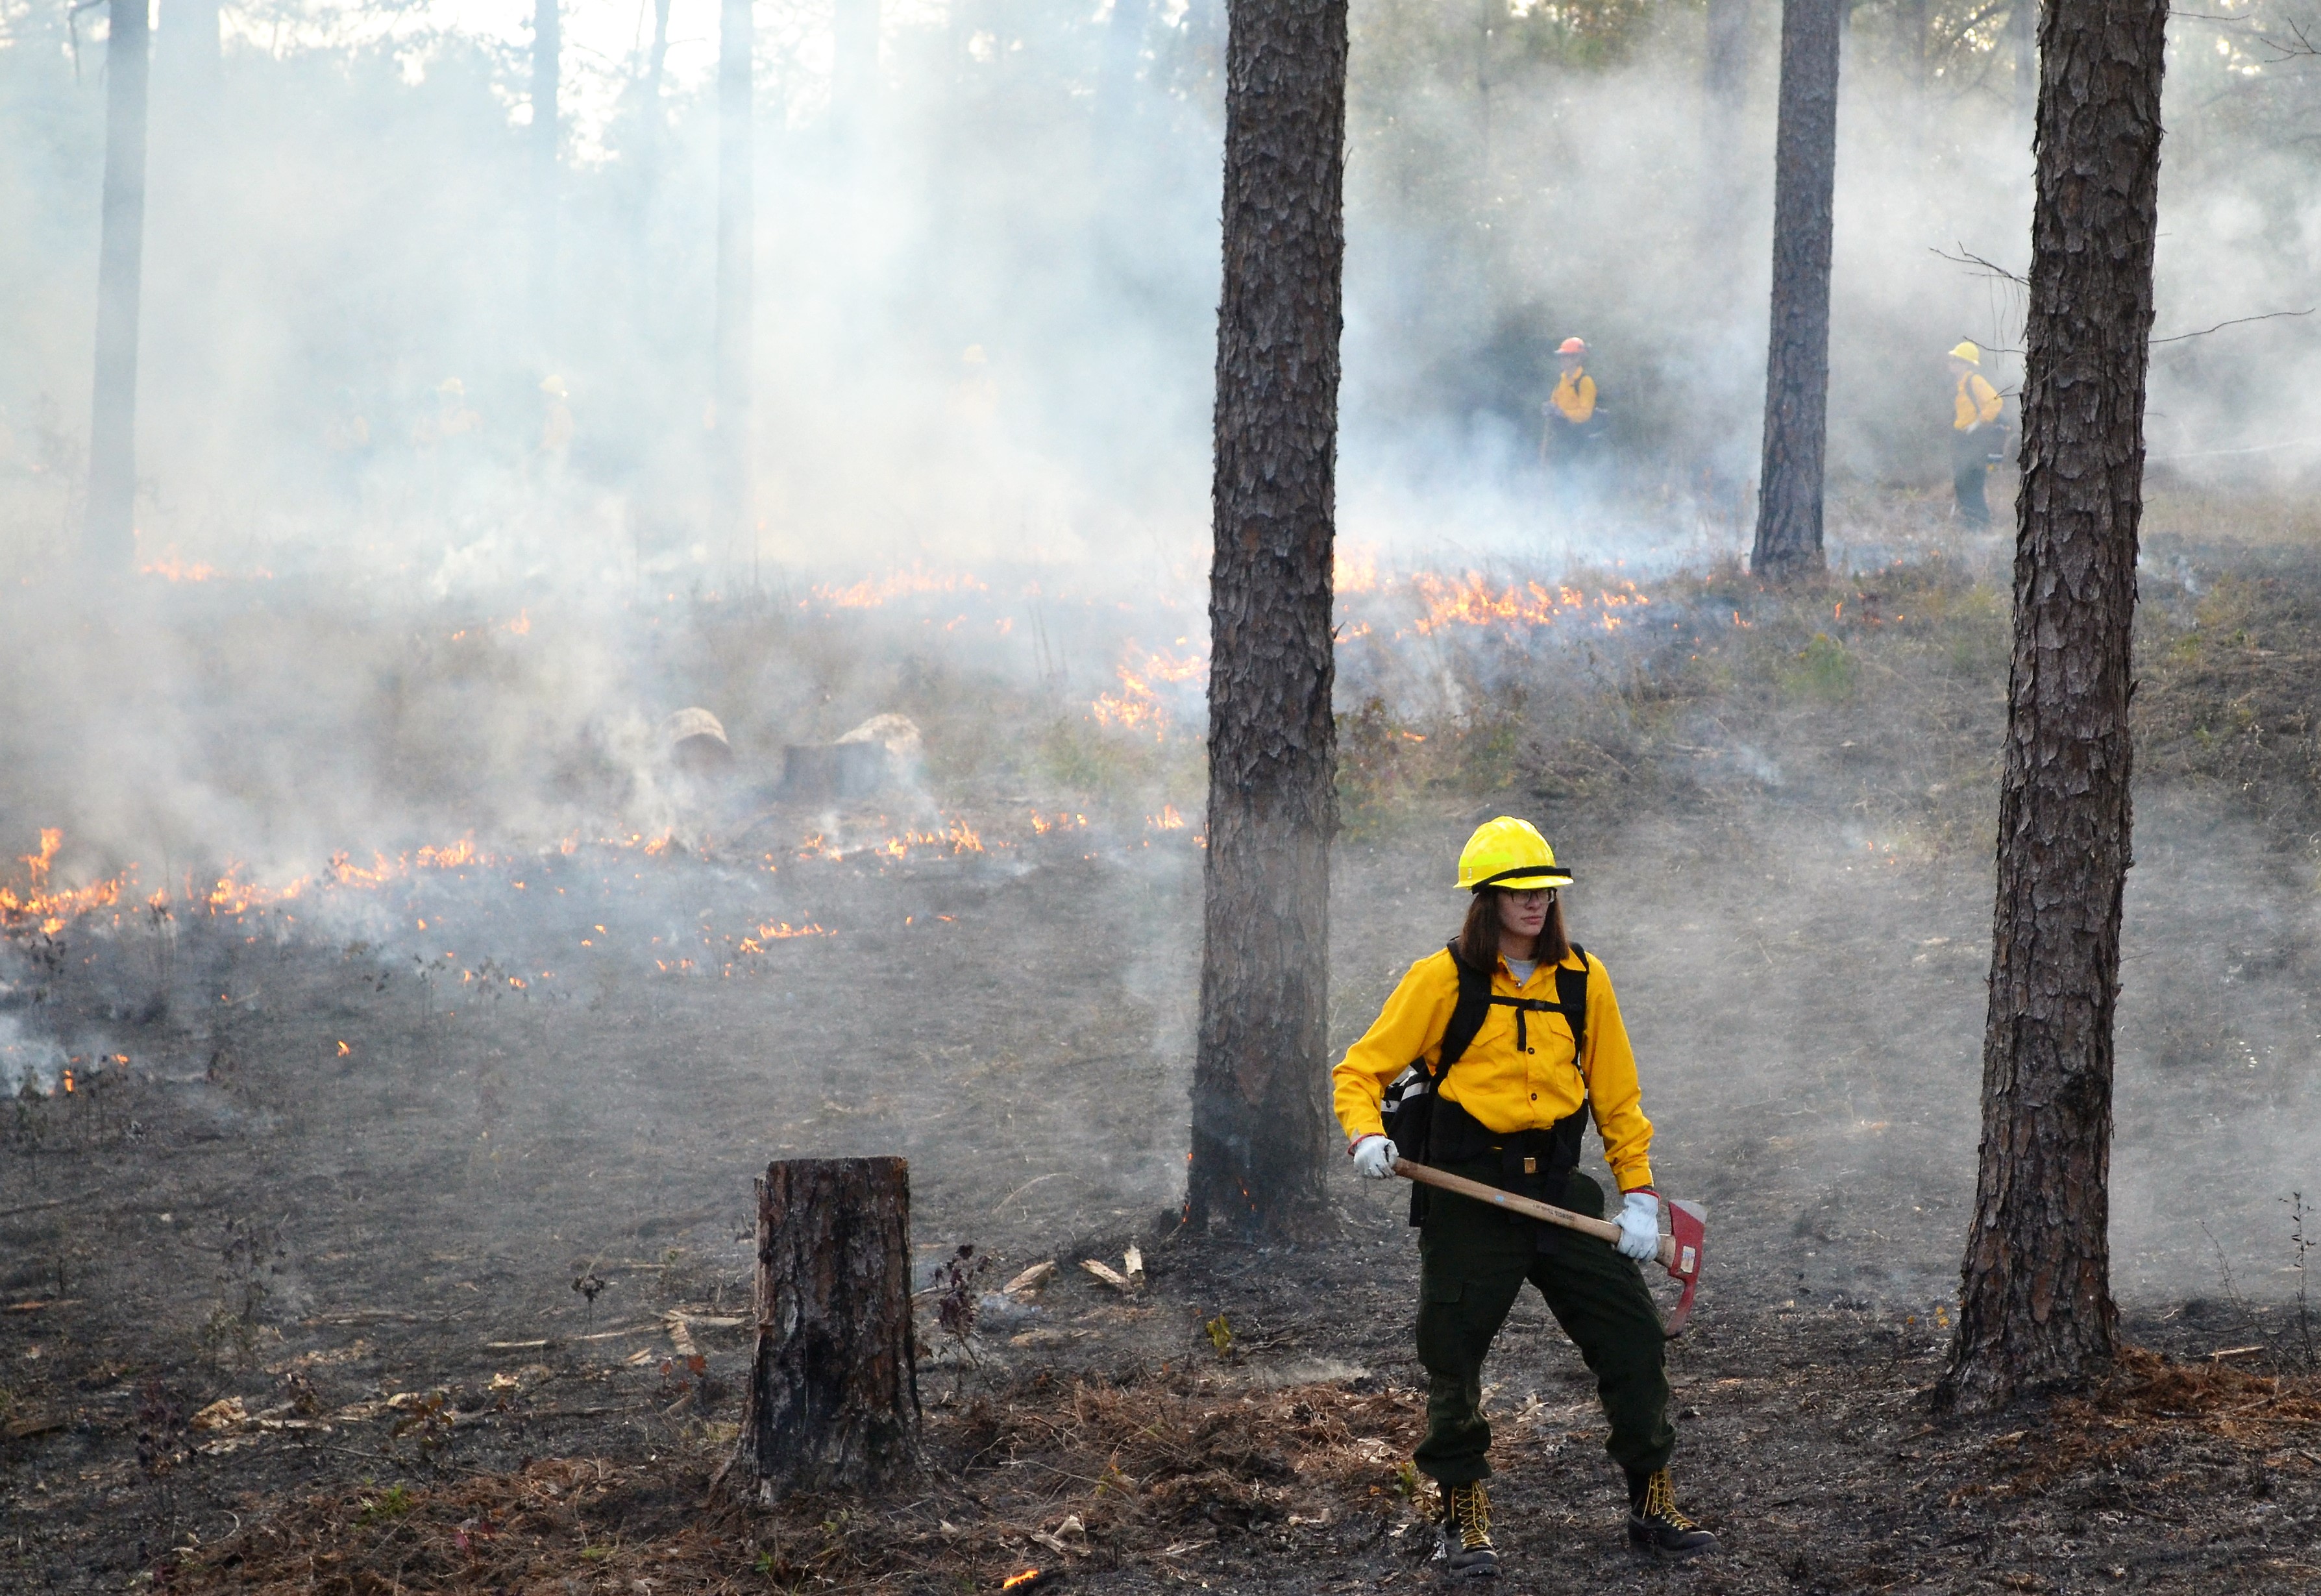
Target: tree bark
[(109, 535), (2023, 47), (547, 57), (2036, 1308), (1797, 358), (832, 1401), (1725, 72), (729, 442), (1258, 1112)]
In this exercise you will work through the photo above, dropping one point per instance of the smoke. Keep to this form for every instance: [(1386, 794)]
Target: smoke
[(986, 296)]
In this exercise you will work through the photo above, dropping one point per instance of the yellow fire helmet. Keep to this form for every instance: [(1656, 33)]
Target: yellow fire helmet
[(1966, 351), (1511, 853)]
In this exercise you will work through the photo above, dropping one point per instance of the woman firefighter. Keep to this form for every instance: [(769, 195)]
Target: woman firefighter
[(1518, 1035)]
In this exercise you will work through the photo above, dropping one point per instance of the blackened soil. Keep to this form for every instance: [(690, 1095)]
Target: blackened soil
[(464, 1260)]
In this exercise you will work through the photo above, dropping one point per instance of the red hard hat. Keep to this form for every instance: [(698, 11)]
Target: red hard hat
[(1572, 346)]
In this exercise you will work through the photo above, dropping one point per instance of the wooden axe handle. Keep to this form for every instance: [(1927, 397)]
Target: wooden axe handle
[(1602, 1230)]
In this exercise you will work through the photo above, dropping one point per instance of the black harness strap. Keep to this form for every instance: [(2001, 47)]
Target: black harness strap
[(1558, 1147)]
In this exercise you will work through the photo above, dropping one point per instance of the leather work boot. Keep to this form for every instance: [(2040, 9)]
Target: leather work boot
[(1655, 1526), (1467, 1552)]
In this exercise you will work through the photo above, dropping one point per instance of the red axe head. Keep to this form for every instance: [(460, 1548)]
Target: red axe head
[(1687, 1240)]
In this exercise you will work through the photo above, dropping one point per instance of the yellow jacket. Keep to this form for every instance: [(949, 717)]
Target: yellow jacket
[(1507, 1091), (1977, 403), (1575, 395)]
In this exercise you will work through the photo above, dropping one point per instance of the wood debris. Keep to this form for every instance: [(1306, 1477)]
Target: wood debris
[(1030, 1281), (1109, 1275), (224, 1414)]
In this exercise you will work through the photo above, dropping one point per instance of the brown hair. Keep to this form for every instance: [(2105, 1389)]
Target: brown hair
[(1479, 937)]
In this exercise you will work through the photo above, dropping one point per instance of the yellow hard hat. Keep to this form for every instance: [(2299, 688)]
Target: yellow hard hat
[(1511, 853), (1966, 351)]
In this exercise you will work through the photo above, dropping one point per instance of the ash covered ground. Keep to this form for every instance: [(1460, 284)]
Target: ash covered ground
[(437, 1172)]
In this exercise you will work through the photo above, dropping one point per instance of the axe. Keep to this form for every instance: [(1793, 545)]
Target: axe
[(1680, 1253)]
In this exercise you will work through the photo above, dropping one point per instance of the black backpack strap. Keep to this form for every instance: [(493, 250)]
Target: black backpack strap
[(1466, 1017), (1571, 996)]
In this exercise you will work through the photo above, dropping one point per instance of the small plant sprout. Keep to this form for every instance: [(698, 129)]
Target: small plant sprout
[(2301, 1242)]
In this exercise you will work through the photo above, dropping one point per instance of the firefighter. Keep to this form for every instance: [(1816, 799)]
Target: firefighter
[(1974, 422), (1571, 441), (1509, 1111)]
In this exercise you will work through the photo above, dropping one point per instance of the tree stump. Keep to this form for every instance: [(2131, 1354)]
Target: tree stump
[(833, 1398)]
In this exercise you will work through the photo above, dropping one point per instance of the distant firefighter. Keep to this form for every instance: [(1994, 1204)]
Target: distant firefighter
[(1975, 435), (1574, 441), (452, 417)]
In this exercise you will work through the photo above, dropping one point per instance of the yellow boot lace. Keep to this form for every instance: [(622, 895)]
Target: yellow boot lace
[(1659, 1502), (1470, 1514)]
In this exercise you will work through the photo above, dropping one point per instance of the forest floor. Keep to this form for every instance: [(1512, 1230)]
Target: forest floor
[(412, 1254)]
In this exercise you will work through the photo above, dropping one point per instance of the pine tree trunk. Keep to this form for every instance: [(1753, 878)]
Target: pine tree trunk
[(832, 1401), (2023, 49), (729, 440), (1257, 1113), (109, 538), (1725, 72), (2035, 1306), (1797, 358), (547, 58)]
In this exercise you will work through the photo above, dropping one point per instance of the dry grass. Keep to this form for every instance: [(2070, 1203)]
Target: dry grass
[(2151, 1401), (1151, 1471)]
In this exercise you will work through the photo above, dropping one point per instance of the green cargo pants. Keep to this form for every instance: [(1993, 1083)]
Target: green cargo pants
[(1474, 1259)]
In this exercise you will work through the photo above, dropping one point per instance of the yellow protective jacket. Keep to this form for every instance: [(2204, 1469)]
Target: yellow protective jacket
[(1507, 1091), (1977, 403), (1575, 396)]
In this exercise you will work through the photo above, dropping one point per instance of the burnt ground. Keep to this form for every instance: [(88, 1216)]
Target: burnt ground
[(350, 1178)]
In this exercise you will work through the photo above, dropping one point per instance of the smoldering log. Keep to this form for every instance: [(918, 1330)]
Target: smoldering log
[(833, 1398)]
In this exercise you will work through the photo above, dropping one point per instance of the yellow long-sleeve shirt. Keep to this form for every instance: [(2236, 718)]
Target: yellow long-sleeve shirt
[(1575, 396), (1977, 403), (1505, 1090)]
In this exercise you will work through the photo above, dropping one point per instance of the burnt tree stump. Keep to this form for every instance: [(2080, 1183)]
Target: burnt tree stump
[(832, 1400)]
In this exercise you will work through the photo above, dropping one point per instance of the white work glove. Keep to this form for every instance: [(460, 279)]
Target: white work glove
[(1374, 1156), (1640, 1227)]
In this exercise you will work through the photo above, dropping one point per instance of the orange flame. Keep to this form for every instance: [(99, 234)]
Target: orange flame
[(1474, 600), (780, 932), (171, 568), (1355, 568), (50, 910), (1015, 1580), (873, 591)]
